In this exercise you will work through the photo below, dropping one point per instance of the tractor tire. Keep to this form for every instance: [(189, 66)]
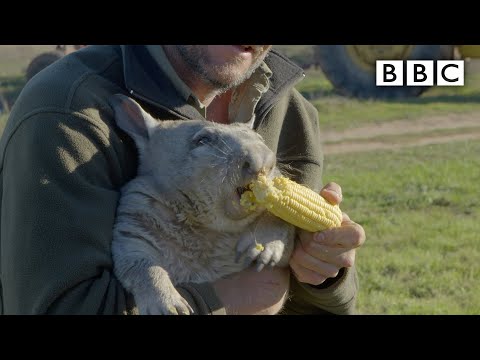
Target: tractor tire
[(41, 61), (351, 68)]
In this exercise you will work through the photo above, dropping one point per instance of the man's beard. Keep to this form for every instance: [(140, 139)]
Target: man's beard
[(220, 77)]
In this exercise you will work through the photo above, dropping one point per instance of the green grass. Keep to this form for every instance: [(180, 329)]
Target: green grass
[(3, 121), (339, 112), (420, 210)]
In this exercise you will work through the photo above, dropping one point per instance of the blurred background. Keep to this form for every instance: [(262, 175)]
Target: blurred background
[(408, 161)]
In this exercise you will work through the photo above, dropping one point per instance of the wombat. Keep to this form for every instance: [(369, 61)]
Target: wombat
[(180, 219)]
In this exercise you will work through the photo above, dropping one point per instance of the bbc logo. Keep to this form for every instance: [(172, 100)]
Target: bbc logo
[(420, 72)]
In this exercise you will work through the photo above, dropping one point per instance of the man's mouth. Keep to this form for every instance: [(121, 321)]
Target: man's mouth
[(254, 49), (247, 48)]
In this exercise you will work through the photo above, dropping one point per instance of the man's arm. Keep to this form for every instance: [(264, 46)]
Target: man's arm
[(334, 295), (338, 294)]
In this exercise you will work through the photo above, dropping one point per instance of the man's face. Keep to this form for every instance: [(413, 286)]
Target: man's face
[(223, 66)]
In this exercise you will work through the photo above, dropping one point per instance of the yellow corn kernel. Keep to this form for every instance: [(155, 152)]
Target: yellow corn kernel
[(259, 247), (293, 203)]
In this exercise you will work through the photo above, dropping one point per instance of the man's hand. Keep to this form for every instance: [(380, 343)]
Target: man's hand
[(254, 293), (321, 255)]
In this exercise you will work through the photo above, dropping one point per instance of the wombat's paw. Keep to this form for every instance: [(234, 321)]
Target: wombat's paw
[(269, 244), (164, 303), (263, 254), (271, 254)]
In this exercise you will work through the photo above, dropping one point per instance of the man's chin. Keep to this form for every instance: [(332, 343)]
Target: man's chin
[(228, 79)]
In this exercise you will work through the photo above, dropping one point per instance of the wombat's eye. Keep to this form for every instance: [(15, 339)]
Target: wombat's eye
[(202, 137), (202, 140)]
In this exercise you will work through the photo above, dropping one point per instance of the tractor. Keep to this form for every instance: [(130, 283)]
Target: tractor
[(351, 68)]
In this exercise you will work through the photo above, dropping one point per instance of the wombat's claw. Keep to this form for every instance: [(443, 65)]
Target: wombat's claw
[(164, 304), (272, 254), (260, 267), (172, 310), (179, 308), (190, 308), (186, 310)]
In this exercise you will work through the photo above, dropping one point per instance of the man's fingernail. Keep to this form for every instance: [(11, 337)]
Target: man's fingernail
[(335, 194), (338, 194), (319, 237)]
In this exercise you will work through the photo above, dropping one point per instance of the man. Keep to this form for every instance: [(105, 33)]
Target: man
[(64, 161)]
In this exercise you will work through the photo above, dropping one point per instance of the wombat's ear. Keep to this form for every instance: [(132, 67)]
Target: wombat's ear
[(130, 117)]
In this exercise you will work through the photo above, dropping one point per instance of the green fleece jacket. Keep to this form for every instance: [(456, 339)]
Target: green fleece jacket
[(63, 161)]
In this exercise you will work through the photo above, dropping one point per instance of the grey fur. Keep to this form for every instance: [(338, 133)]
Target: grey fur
[(179, 219)]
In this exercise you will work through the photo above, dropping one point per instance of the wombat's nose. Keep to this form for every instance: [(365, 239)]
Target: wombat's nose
[(258, 162)]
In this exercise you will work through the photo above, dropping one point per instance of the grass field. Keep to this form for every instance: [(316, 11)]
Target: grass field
[(420, 211), (419, 205)]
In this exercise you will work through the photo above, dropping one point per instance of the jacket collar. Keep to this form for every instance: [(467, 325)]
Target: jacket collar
[(145, 80)]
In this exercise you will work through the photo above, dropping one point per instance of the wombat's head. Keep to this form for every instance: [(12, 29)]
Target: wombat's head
[(200, 167)]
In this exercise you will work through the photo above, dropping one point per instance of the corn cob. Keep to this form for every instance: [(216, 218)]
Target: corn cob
[(293, 203)]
